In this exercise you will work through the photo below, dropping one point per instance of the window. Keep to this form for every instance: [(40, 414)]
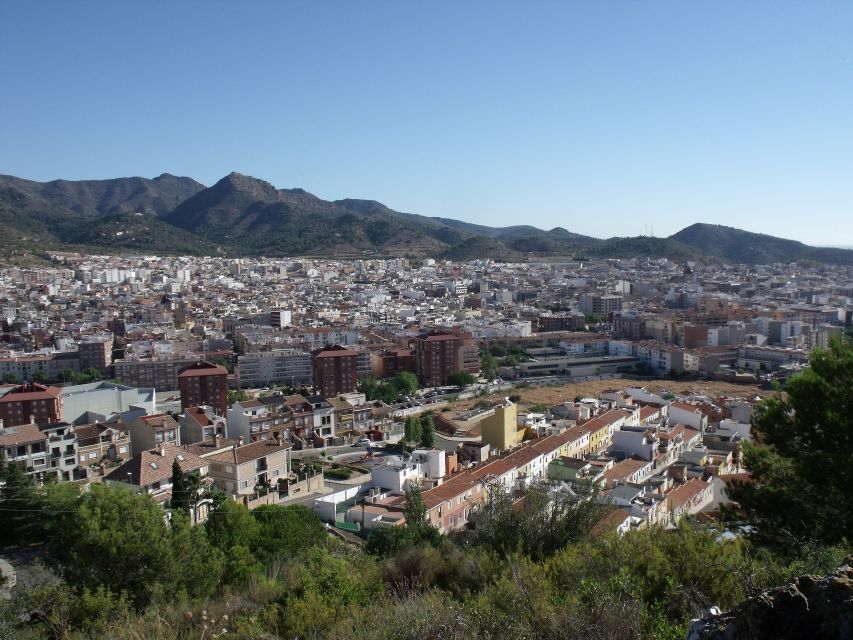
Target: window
[(244, 484)]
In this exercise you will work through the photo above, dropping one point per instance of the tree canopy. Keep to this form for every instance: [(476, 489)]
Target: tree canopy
[(427, 435), (461, 379), (800, 461)]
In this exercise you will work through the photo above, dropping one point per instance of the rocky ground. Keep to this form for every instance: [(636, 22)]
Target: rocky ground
[(810, 607)]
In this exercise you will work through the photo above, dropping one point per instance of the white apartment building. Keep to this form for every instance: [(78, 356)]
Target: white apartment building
[(279, 366)]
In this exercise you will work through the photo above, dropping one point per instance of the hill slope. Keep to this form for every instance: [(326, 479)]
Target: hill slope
[(736, 245), (109, 197), (242, 215)]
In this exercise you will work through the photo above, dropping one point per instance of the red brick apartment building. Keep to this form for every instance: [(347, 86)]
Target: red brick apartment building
[(437, 356), (204, 383), (31, 400), (334, 370)]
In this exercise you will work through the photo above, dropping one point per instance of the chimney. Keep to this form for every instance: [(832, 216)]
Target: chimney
[(163, 450), (215, 439), (240, 441), (234, 450)]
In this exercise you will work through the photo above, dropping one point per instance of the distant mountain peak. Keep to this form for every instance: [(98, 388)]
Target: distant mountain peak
[(252, 187), (362, 206), (243, 215)]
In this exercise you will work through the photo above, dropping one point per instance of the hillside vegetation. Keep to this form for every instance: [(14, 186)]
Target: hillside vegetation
[(241, 215)]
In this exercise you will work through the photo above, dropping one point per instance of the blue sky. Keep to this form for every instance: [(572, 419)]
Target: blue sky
[(605, 118)]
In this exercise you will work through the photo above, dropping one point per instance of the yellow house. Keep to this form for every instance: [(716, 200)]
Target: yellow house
[(601, 428), (500, 430)]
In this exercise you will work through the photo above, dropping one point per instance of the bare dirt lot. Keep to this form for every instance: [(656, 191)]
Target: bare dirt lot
[(552, 395)]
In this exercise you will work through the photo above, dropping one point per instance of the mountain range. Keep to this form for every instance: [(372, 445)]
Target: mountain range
[(243, 216)]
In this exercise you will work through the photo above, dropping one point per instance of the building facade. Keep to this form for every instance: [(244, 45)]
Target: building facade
[(335, 370), (204, 383)]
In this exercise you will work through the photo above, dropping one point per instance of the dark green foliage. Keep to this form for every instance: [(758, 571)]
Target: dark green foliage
[(197, 566), (488, 365), (388, 541), (284, 531), (180, 489), (406, 382), (461, 379), (412, 429), (374, 390), (736, 245), (413, 583), (532, 528), (118, 539), (19, 501), (230, 525), (30, 512), (427, 435), (339, 473), (237, 395), (415, 511), (800, 462)]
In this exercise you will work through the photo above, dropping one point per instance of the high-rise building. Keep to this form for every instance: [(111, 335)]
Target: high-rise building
[(281, 318), (204, 383), (95, 352), (335, 370), (437, 357), (601, 305)]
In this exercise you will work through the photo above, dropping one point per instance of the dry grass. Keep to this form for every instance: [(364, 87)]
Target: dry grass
[(549, 396)]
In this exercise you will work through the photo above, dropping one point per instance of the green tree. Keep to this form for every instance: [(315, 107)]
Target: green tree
[(196, 566), (180, 489), (67, 375), (19, 501), (415, 511), (461, 379), (388, 541), (412, 429), (231, 525), (406, 382), (537, 527), (40, 377), (488, 365), (89, 375), (240, 565), (386, 392), (427, 431), (237, 395), (284, 531), (800, 460), (118, 539), (10, 378)]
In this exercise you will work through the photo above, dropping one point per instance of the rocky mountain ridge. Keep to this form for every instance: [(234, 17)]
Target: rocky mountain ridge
[(243, 215)]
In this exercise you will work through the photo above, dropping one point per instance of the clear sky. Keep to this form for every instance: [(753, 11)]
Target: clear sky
[(605, 118)]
